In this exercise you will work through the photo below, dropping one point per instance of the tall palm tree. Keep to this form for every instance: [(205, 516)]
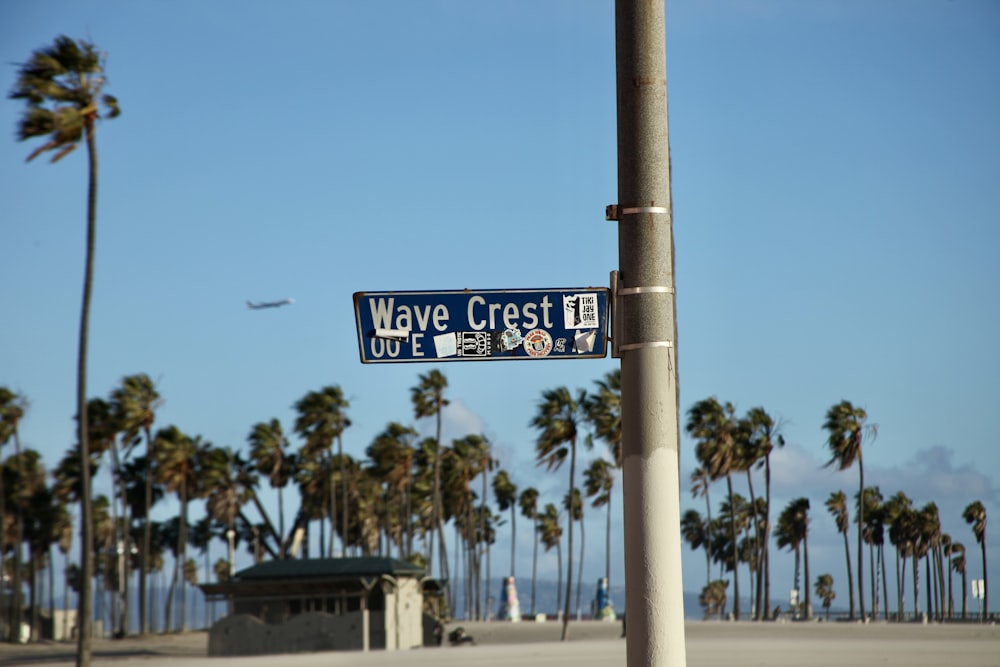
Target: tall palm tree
[(895, 515), (12, 409), (429, 401), (929, 526), (558, 418), (748, 452), (267, 450), (765, 434), (323, 419), (599, 480), (528, 502), (837, 506), (958, 565), (135, 403), (26, 485), (714, 427), (573, 504), (848, 427), (550, 535), (177, 469), (392, 454), (792, 531), (62, 85), (505, 492), (975, 515), (874, 536)]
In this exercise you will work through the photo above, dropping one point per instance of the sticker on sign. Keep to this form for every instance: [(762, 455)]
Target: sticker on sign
[(482, 325)]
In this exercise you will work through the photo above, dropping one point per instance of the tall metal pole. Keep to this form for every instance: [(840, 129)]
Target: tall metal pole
[(646, 342)]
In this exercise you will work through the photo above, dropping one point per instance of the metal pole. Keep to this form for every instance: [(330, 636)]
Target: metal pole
[(646, 342)]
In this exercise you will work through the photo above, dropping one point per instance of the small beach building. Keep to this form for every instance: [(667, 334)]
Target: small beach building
[(321, 604)]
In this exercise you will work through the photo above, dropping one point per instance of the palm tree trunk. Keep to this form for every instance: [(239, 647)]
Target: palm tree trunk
[(872, 575), (986, 596), (86, 608), (534, 563), (767, 537), (513, 538), (182, 550), (607, 546), (861, 541), (732, 533), (850, 578), (569, 543), (899, 586), (965, 597), (885, 580), (930, 584), (759, 561), (579, 577), (805, 558), (146, 538)]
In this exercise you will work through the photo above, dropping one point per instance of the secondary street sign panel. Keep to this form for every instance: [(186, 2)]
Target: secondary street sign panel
[(482, 325)]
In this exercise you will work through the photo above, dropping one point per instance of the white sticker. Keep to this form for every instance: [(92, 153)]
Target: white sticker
[(445, 345), (584, 341), (580, 311)]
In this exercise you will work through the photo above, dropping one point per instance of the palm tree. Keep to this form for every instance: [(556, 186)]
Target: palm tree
[(958, 565), (604, 412), (573, 504), (558, 418), (429, 401), (837, 506), (528, 502), (825, 592), (765, 435), (12, 409), (847, 427), (713, 426), (713, 598), (322, 419), (505, 492), (598, 480), (975, 515), (895, 515), (748, 451), (550, 535), (392, 454), (792, 531), (874, 536), (61, 85), (177, 469), (135, 403), (695, 532), (267, 450)]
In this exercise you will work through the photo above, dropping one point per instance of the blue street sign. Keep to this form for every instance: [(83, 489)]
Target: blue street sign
[(484, 325)]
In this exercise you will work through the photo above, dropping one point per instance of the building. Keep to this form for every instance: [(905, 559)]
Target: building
[(323, 604)]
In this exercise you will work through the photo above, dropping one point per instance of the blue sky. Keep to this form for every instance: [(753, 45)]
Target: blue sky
[(834, 178)]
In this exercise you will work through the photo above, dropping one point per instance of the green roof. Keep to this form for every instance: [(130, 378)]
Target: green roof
[(294, 568)]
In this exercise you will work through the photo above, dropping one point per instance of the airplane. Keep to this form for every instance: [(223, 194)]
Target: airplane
[(269, 304)]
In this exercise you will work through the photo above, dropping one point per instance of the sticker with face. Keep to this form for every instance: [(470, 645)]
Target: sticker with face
[(538, 343), (509, 339)]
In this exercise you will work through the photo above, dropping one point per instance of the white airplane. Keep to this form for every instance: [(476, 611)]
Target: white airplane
[(269, 304)]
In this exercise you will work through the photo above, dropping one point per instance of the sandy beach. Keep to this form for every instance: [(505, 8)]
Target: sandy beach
[(708, 644)]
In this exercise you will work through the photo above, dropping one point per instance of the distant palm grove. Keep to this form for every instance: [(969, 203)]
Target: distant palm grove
[(408, 492)]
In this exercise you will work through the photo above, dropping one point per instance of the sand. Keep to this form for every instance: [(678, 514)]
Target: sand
[(591, 644)]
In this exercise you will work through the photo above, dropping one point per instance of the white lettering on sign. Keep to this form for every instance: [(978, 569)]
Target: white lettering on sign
[(482, 314), (403, 316)]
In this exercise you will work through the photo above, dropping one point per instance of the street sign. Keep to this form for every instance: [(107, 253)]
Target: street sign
[(482, 325)]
